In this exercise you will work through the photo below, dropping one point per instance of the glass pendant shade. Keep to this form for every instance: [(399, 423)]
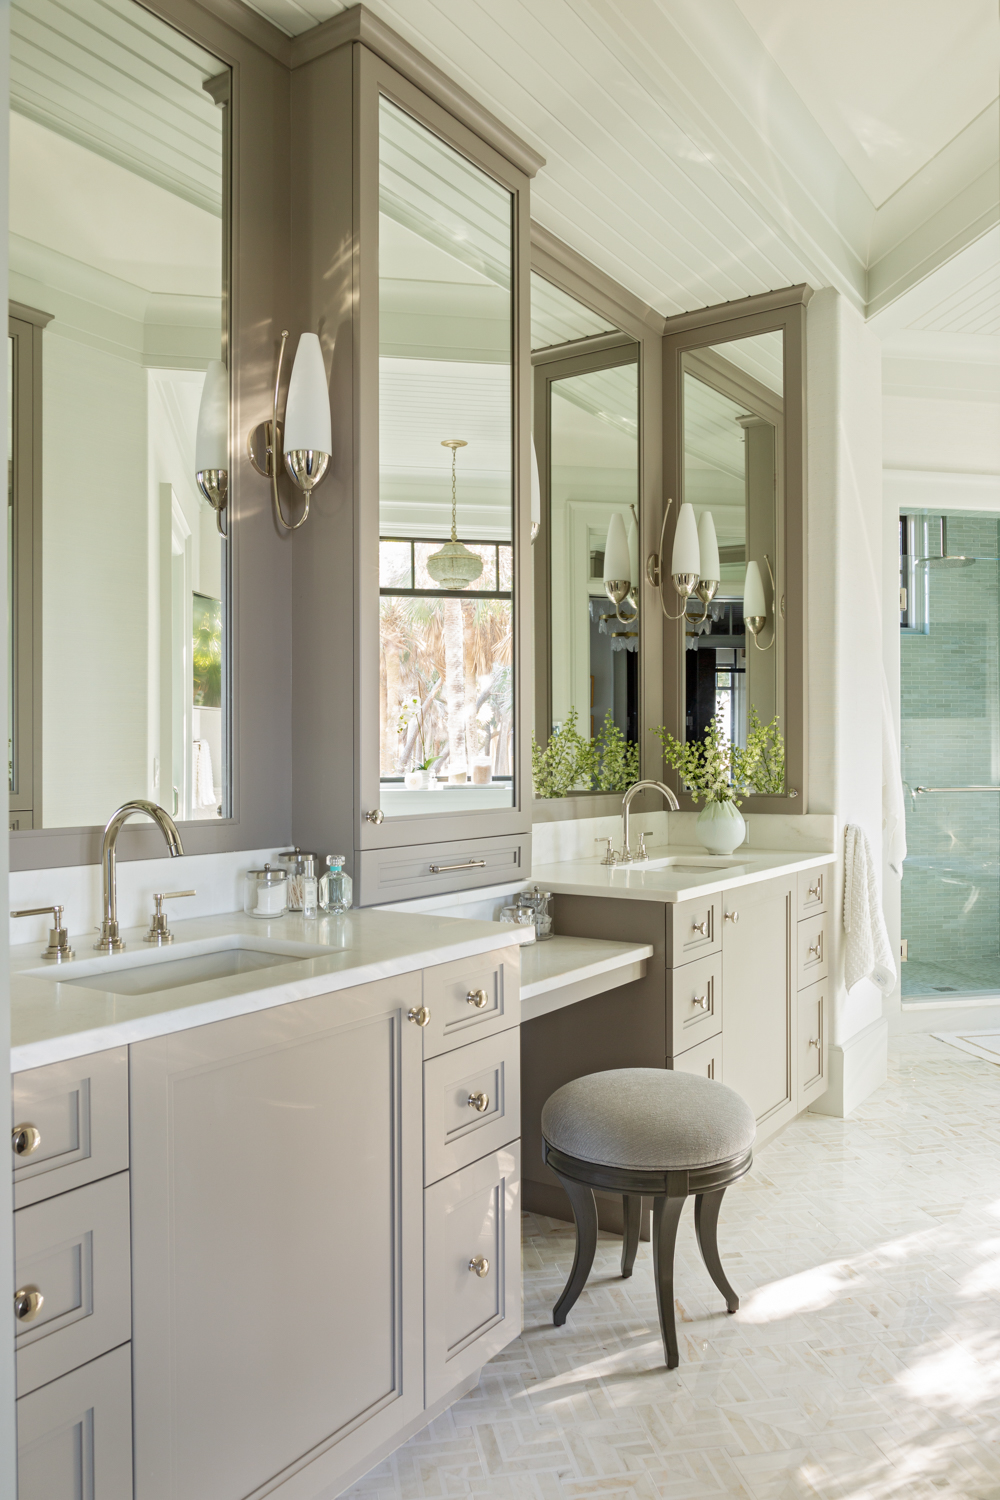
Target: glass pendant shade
[(307, 410), (454, 566), (616, 551), (708, 547), (536, 494), (633, 553), (211, 448), (686, 556), (753, 594)]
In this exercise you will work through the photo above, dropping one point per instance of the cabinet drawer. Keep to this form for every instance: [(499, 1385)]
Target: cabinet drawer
[(694, 993), (80, 1110), (74, 1436), (453, 993), (692, 929), (472, 1102), (813, 890), (395, 874), (472, 1215), (705, 1059), (812, 937), (75, 1250), (812, 1042)]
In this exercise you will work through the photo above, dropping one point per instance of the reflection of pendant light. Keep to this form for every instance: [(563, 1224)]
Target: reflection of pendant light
[(454, 566)]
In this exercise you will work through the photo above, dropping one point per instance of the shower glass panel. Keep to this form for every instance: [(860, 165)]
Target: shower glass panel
[(950, 698)]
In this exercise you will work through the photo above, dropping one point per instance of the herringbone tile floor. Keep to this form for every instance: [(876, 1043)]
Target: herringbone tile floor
[(864, 1363)]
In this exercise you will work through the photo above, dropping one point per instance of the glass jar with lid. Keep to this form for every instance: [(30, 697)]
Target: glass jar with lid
[(303, 881), (265, 893)]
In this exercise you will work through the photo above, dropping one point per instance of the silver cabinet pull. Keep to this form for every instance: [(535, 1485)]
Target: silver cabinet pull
[(816, 949), (469, 864), (27, 1303), (419, 1015), (376, 816), (480, 1265), (814, 1041), (732, 916), (479, 1102), (817, 890), (701, 927), (25, 1139), (701, 1000), (478, 998)]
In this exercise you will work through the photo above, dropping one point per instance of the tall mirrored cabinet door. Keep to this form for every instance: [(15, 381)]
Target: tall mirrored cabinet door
[(447, 576), (119, 574)]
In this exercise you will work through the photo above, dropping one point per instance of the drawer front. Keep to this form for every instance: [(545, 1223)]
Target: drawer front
[(437, 869), (693, 927), (695, 995), (813, 890), (453, 993), (75, 1250), (472, 1102), (80, 1111), (74, 1436), (812, 938), (812, 1042), (705, 1060), (472, 1215)]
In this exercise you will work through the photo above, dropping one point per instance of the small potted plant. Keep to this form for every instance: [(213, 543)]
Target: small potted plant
[(418, 777), (721, 773)]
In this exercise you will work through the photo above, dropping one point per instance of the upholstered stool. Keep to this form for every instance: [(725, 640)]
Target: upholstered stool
[(652, 1132)]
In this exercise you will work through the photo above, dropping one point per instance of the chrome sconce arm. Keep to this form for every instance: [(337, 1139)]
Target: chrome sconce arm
[(686, 584), (755, 624), (304, 466)]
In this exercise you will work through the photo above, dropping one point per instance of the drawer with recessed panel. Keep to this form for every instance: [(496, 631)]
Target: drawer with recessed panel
[(812, 938), (813, 891), (70, 1124), (693, 929), (470, 998), (472, 1102), (694, 1002)]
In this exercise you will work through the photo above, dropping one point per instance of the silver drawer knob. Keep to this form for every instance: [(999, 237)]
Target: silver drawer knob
[(816, 949), (732, 916), (816, 890), (480, 1265), (419, 1015), (25, 1139), (27, 1304), (701, 927), (701, 1000), (478, 998), (376, 816), (480, 1102), (814, 1041)]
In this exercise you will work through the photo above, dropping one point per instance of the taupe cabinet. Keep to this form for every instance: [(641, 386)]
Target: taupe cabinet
[(324, 1240), (735, 991)]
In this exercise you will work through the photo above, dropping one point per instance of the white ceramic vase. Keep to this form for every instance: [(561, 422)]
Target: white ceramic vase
[(721, 827)]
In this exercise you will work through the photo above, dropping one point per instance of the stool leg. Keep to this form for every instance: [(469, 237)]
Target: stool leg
[(584, 1207), (666, 1216), (632, 1219), (706, 1223)]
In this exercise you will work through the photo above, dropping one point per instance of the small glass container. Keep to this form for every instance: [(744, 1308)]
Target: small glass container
[(301, 867), (339, 892), (543, 917), (265, 893), (519, 916)]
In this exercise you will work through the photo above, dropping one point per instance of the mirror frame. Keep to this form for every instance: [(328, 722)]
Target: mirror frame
[(256, 297), (691, 333)]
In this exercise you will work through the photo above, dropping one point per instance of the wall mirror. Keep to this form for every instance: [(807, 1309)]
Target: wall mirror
[(446, 499), (587, 644), (118, 584)]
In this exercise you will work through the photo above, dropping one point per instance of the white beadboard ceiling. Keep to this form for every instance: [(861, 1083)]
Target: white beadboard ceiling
[(703, 150)]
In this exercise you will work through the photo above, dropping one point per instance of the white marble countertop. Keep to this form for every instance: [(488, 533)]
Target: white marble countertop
[(694, 873), (52, 1020), (559, 961)]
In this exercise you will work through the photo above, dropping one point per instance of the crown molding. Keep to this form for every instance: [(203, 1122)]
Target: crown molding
[(724, 312), (558, 262)]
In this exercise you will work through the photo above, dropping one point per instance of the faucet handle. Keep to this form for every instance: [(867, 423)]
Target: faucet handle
[(59, 948), (610, 857), (159, 932), (642, 852)]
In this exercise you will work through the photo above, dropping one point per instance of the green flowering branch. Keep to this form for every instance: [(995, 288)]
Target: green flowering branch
[(716, 769), (569, 763)]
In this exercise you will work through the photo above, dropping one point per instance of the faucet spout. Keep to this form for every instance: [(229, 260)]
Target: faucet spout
[(642, 786), (110, 940)]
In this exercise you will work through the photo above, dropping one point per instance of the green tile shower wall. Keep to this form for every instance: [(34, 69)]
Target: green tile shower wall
[(951, 737)]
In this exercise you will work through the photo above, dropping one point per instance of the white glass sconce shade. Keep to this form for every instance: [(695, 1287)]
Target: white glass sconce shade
[(536, 494), (633, 553), (616, 552), (686, 554), (307, 410), (708, 547), (754, 606), (211, 447)]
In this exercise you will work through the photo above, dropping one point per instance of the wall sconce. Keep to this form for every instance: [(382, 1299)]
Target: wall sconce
[(305, 443), (755, 605), (211, 447), (618, 583), (536, 494), (694, 563)]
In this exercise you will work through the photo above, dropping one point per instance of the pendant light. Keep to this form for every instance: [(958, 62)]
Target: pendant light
[(454, 566)]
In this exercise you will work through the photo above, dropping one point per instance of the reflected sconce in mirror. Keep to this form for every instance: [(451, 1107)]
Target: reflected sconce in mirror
[(617, 567), (304, 442), (211, 447), (755, 605), (536, 494), (694, 562)]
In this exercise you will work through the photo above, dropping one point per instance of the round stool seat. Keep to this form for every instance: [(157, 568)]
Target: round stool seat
[(648, 1119)]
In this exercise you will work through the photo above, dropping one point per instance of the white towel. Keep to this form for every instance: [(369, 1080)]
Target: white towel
[(869, 955), (893, 801), (204, 785)]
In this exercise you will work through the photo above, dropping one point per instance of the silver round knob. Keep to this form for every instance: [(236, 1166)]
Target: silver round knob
[(480, 1265), (701, 1000), (814, 1041), (419, 1015), (376, 816), (478, 998), (479, 1102), (732, 916), (25, 1139), (701, 927), (27, 1303)]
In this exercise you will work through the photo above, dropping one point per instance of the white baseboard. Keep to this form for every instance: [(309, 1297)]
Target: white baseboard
[(857, 1067)]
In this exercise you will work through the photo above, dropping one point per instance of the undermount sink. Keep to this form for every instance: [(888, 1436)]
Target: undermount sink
[(690, 864), (137, 972)]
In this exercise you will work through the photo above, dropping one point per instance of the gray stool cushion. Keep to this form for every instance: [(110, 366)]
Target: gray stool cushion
[(648, 1119)]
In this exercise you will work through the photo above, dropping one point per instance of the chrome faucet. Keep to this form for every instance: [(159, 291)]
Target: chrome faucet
[(109, 941), (641, 786)]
